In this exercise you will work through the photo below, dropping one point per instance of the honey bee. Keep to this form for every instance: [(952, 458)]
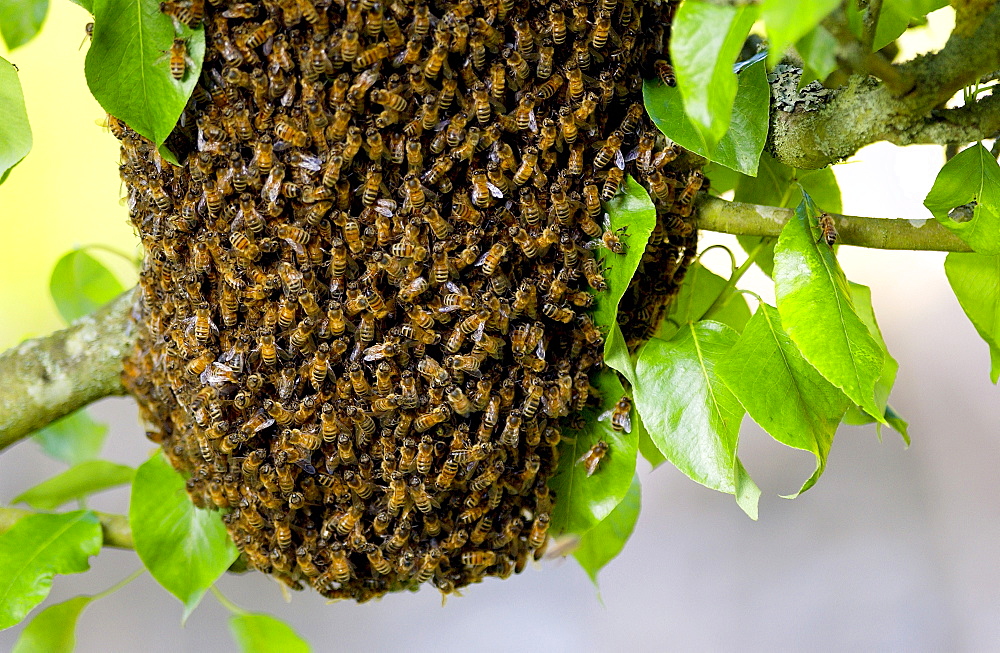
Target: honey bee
[(619, 415), (178, 58), (828, 229), (613, 182), (694, 181), (593, 457), (291, 134), (479, 558), (184, 12), (430, 419), (665, 72)]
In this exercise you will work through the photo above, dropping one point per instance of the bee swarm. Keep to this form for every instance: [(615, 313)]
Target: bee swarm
[(363, 318)]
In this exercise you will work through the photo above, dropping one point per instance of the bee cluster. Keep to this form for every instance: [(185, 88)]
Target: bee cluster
[(363, 312)]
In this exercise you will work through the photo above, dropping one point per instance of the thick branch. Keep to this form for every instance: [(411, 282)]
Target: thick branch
[(117, 533), (715, 214), (867, 110), (46, 378)]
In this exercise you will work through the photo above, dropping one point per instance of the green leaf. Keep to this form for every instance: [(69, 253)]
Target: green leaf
[(858, 417), (700, 289), (781, 391), (53, 630), (76, 482), (184, 548), (583, 501), (86, 4), (80, 284), (741, 146), (976, 281), (818, 50), (788, 21), (972, 175), (126, 71), (691, 415), (15, 132), (862, 298), (37, 548), (261, 633), (777, 184), (720, 178), (616, 354), (894, 18), (72, 439), (705, 40), (633, 209), (817, 310), (20, 20), (646, 445), (601, 544)]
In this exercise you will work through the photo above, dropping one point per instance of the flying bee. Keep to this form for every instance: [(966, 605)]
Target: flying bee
[(828, 229), (619, 415), (592, 459)]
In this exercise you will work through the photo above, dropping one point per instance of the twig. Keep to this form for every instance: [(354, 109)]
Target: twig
[(872, 12), (716, 214), (45, 378)]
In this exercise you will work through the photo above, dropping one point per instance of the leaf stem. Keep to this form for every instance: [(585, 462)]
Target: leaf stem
[(727, 292), (732, 257), (226, 603), (120, 584)]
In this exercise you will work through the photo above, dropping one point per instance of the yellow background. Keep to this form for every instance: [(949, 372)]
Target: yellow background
[(66, 192)]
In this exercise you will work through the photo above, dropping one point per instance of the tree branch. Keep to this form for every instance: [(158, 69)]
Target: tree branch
[(45, 378), (716, 214), (867, 110), (117, 533)]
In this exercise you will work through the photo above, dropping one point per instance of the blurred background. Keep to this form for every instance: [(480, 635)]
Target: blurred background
[(894, 548)]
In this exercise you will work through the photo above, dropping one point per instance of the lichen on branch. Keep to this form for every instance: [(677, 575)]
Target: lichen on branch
[(868, 110), (43, 379)]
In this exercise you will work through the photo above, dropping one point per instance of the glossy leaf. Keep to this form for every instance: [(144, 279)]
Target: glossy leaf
[(690, 414), (647, 447), (858, 417), (616, 354), (583, 501), (975, 279), (53, 630), (720, 178), (37, 548), (700, 289), (894, 18), (15, 132), (126, 70), (184, 548), (75, 483), (80, 284), (634, 209), (20, 20), (972, 175), (787, 21), (705, 40), (740, 148), (72, 439), (601, 544), (817, 310), (777, 184), (862, 297), (818, 50), (261, 633), (781, 391)]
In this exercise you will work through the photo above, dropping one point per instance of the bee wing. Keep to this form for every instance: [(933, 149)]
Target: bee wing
[(532, 123), (494, 190), (626, 421), (605, 416), (540, 349), (632, 156), (606, 222), (593, 244), (309, 162), (619, 159)]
